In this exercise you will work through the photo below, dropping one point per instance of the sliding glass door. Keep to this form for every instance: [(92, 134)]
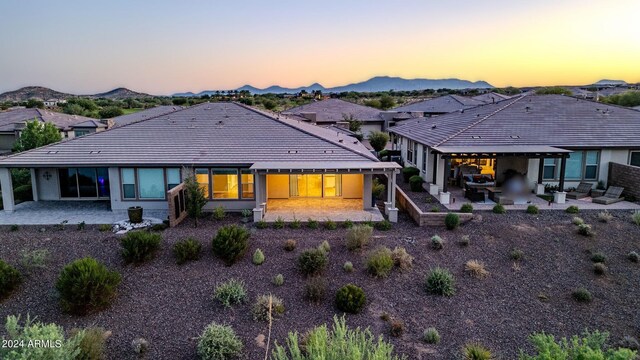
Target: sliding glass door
[(315, 185), (89, 183)]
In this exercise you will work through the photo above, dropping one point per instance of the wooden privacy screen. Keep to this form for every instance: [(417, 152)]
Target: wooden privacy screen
[(177, 207)]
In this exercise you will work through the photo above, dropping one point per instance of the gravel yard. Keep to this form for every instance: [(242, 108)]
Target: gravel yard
[(169, 305)]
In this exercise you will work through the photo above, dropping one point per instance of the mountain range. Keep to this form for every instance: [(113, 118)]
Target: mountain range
[(44, 94)]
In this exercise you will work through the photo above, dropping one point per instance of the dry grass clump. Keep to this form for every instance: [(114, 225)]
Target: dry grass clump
[(476, 269), (402, 259)]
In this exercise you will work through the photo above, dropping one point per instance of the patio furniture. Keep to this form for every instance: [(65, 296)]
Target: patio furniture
[(492, 191), (611, 196), (582, 191), (597, 193), (474, 195)]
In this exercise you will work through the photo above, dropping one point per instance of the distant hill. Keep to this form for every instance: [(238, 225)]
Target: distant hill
[(121, 93), (31, 92), (610, 82), (379, 83)]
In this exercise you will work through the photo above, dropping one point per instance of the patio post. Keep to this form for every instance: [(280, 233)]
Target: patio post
[(539, 185), (445, 196), (390, 205), (7, 190), (560, 197), (258, 210)]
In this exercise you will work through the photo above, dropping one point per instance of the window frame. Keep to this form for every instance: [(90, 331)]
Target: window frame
[(238, 179), (410, 151), (246, 171), (164, 183), (78, 197), (424, 158), (583, 171), (136, 183), (631, 153)]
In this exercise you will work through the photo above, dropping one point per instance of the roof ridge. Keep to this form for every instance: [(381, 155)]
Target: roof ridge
[(477, 122)]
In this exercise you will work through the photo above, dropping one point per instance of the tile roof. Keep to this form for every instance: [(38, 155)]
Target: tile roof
[(144, 114), (206, 134), (9, 119), (332, 110), (491, 97), (552, 120), (89, 124), (441, 105)]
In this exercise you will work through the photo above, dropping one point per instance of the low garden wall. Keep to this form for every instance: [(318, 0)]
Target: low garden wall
[(421, 218), (625, 176)]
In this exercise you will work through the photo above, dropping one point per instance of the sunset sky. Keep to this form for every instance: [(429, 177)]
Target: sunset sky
[(162, 47)]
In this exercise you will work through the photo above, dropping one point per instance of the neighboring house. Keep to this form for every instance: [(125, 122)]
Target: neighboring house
[(54, 102), (335, 111), (243, 159), (143, 115), (437, 106), (13, 121), (491, 97), (551, 139)]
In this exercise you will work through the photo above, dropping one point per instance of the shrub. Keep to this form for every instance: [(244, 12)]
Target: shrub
[(219, 213), (10, 278), (350, 299), (14, 228), (592, 345), (31, 331), (312, 224), (415, 183), (577, 221), (581, 295), (435, 209), (572, 210), (633, 256), (380, 262), (347, 224), (476, 268), (267, 307), (585, 230), (104, 227), (431, 336), (440, 282), (475, 351), (599, 268), (312, 261), (517, 254), (452, 221), (140, 345), (466, 208), (330, 225), (324, 246), (91, 344), (279, 223), (314, 289), (465, 240), (295, 224), (605, 216), (229, 293), (188, 249), (384, 225), (81, 225), (159, 227), (532, 209), (35, 259), (358, 236), (219, 342), (278, 280), (262, 224), (230, 243), (85, 285), (139, 246), (636, 218), (348, 266), (378, 189), (258, 257), (340, 342), (437, 243), (499, 209), (397, 328), (402, 259), (598, 257), (290, 245), (408, 172)]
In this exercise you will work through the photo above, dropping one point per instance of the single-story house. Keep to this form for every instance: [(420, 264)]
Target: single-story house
[(143, 114), (242, 158), (437, 106), (550, 139), (13, 121), (491, 97), (338, 112)]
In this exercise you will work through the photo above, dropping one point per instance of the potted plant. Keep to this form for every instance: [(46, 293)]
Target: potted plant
[(135, 214)]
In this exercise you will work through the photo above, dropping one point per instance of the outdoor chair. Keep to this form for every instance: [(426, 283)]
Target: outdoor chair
[(582, 191), (611, 196)]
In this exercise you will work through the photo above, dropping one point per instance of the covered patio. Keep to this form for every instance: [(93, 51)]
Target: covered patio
[(320, 210)]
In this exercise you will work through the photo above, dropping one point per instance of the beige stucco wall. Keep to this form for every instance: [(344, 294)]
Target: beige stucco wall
[(352, 185), (277, 186)]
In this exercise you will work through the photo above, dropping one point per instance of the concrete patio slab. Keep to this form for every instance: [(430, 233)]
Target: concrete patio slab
[(320, 210)]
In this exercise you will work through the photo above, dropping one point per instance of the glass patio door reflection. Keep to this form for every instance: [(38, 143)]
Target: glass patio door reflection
[(306, 185)]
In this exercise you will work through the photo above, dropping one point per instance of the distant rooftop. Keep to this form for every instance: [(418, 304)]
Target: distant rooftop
[(441, 105), (9, 119), (144, 114), (334, 110)]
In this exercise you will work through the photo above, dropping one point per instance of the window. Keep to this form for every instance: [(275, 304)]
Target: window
[(581, 165), (87, 181), (591, 165), (151, 183), (173, 178), (84, 182), (79, 133), (68, 183), (128, 183), (634, 158), (573, 168), (247, 184), (202, 177), (549, 171), (424, 158), (225, 183), (410, 150)]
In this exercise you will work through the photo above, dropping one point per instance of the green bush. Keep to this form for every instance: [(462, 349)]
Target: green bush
[(585, 230), (230, 243), (598, 257), (229, 293), (465, 240), (187, 250), (633, 256), (592, 345), (219, 342), (31, 331), (348, 266), (350, 299), (572, 210), (262, 224), (278, 280), (279, 223), (312, 224), (636, 218), (532, 209), (408, 172), (290, 245), (517, 254), (267, 307), (92, 343), (431, 336), (599, 268), (258, 257), (104, 227), (312, 261), (315, 289), (401, 258), (347, 224), (384, 225), (159, 227), (324, 246), (85, 285), (415, 183), (219, 213), (378, 189), (466, 208), (380, 262), (499, 209), (295, 224), (330, 225), (440, 282), (437, 243), (10, 278), (358, 236), (582, 295), (475, 351), (452, 221), (35, 259), (139, 246), (14, 228), (577, 221)]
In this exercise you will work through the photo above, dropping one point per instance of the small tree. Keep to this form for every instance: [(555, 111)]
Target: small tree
[(110, 112), (195, 197), (37, 134), (355, 125), (378, 140), (34, 103), (386, 102)]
